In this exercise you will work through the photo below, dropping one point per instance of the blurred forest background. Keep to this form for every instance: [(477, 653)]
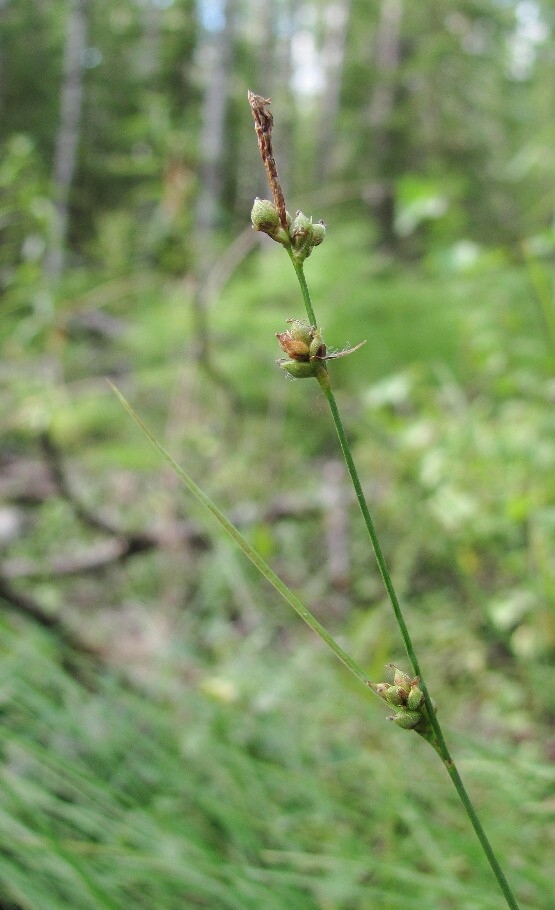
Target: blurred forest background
[(171, 736)]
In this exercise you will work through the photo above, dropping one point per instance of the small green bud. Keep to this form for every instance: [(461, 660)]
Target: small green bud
[(300, 229), (318, 233), (299, 369), (415, 698), (395, 695), (318, 350), (400, 678), (300, 233), (305, 369), (408, 720), (265, 218)]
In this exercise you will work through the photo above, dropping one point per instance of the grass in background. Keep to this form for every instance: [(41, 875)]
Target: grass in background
[(253, 787), (232, 779)]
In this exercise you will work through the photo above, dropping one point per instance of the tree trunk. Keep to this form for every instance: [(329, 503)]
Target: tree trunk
[(215, 56), (216, 52), (333, 55), (3, 8), (387, 56), (149, 58), (67, 139)]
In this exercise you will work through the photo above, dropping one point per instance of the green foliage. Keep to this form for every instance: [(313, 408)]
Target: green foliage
[(250, 778), (461, 105), (233, 789), (26, 216), (224, 762)]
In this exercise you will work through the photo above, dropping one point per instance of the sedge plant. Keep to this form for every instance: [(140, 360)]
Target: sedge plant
[(307, 358)]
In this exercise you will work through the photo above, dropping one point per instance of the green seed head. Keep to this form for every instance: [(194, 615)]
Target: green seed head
[(400, 678), (318, 233), (408, 720), (299, 369), (265, 218), (415, 698), (318, 349), (395, 695), (300, 229)]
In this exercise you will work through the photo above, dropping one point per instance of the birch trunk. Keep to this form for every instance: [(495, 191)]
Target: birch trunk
[(3, 7), (67, 139), (216, 54), (333, 55), (380, 111)]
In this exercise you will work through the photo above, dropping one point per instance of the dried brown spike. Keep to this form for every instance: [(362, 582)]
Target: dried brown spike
[(263, 123)]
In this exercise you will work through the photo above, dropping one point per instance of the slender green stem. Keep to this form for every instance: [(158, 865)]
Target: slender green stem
[(298, 266), (481, 834), (438, 740)]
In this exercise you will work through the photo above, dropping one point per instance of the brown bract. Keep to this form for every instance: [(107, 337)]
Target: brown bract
[(295, 347)]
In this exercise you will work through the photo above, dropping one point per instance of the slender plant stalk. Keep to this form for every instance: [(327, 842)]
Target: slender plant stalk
[(308, 354), (307, 357), (438, 740)]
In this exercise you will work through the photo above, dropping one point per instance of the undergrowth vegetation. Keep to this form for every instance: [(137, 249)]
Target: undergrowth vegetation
[(216, 757), (262, 781), (172, 735)]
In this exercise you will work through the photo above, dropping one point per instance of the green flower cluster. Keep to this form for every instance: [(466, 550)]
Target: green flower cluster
[(307, 351), (408, 700), (305, 348), (298, 233)]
